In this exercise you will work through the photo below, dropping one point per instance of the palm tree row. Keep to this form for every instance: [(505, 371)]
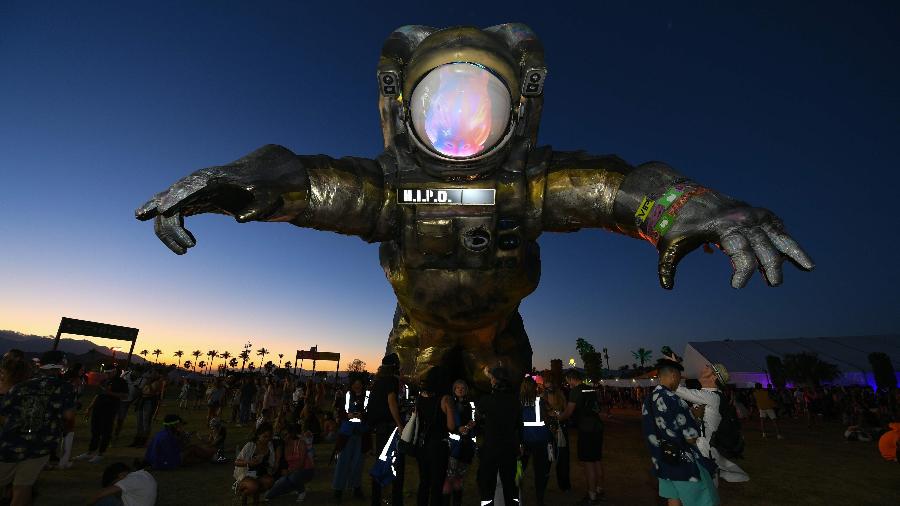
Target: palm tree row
[(229, 360)]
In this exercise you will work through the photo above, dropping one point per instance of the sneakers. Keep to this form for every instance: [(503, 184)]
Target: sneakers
[(96, 460), (84, 456), (301, 496)]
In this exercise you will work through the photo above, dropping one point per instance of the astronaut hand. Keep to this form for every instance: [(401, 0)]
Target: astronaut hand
[(752, 237), (248, 189)]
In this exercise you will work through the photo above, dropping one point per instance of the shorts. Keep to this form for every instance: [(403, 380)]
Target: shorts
[(767, 413), (23, 473), (691, 493), (590, 446)]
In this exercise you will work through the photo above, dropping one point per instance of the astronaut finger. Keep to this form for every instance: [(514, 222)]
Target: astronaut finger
[(171, 231), (148, 210), (769, 258), (743, 261), (671, 252), (789, 247), (172, 245)]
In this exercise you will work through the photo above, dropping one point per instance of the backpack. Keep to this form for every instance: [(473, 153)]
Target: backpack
[(727, 439), (588, 411)]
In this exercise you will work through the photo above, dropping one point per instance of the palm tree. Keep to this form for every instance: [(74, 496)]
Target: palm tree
[(287, 365), (225, 356), (642, 355), (245, 356), (233, 362), (157, 352), (196, 354), (201, 364), (212, 354), (178, 354), (144, 353), (187, 364), (262, 352), (280, 356)]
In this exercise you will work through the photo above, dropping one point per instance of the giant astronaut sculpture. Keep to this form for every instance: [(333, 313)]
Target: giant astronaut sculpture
[(461, 193)]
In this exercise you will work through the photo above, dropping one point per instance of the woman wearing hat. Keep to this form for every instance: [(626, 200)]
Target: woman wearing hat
[(712, 380)]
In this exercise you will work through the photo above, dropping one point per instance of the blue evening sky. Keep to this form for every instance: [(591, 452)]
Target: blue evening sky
[(794, 106)]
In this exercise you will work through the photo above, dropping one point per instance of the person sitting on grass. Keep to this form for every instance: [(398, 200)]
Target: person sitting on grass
[(170, 448), (298, 454), (889, 442), (123, 487), (254, 464)]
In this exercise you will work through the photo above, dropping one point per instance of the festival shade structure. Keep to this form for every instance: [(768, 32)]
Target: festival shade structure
[(746, 359)]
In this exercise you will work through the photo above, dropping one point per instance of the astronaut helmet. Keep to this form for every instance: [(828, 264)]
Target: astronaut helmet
[(461, 94)]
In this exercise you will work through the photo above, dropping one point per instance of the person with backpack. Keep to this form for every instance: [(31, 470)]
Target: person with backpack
[(583, 409), (536, 436), (720, 430)]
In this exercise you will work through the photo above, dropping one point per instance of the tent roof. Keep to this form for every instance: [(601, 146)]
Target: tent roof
[(849, 353)]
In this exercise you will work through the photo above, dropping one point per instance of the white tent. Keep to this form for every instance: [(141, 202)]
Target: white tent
[(746, 359)]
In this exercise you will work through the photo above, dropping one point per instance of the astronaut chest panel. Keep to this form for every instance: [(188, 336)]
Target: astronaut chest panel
[(452, 226)]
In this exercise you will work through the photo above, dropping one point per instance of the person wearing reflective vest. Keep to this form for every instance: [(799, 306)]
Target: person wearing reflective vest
[(536, 436)]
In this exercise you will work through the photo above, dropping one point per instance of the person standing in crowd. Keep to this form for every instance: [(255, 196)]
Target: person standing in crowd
[(122, 487), (556, 403), (350, 446), (32, 416), (215, 399), (583, 409), (766, 407), (146, 408), (536, 436), (435, 419), (498, 418), (103, 410), (462, 448), (710, 395), (134, 392), (383, 416), (684, 474), (248, 393), (300, 464), (13, 370), (254, 465), (185, 393)]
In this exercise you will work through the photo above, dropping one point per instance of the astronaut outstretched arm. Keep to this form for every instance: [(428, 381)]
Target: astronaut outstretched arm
[(677, 215), (273, 184)]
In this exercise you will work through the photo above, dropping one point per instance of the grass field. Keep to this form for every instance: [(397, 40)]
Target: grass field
[(806, 468)]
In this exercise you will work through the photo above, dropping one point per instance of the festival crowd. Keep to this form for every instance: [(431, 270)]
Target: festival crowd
[(692, 430)]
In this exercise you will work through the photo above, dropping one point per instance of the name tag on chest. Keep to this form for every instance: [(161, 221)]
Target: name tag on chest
[(449, 196)]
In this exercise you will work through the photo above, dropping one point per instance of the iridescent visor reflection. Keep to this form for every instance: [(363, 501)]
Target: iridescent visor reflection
[(460, 110)]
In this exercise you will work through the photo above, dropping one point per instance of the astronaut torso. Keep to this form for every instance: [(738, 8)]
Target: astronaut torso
[(465, 254)]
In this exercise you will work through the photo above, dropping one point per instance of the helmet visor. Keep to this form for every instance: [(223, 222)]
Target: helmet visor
[(460, 110)]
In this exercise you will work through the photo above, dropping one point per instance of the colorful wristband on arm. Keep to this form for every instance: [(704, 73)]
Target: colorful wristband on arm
[(657, 213)]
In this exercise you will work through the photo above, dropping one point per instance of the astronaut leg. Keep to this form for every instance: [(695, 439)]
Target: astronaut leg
[(509, 348)]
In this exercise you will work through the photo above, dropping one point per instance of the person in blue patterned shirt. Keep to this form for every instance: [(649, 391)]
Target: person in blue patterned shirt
[(33, 415), (684, 474)]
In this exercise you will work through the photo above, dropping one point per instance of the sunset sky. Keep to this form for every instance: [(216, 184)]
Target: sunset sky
[(793, 106)]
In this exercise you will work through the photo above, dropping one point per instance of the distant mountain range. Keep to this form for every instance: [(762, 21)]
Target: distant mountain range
[(37, 344)]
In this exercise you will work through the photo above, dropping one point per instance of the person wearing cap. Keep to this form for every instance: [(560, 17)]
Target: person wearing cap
[(712, 380), (103, 410), (33, 415), (671, 432), (498, 423)]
